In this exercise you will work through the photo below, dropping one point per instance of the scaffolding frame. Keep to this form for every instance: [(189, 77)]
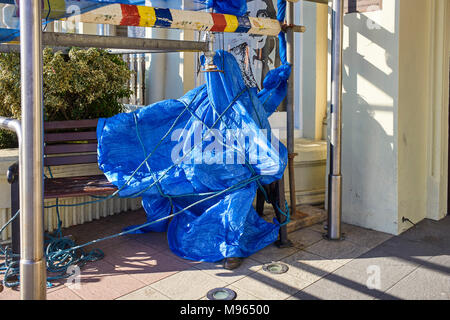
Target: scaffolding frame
[(30, 131)]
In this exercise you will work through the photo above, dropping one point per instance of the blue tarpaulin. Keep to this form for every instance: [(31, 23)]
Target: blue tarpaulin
[(205, 153)]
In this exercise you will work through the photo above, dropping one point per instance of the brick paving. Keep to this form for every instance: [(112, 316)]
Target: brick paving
[(366, 265)]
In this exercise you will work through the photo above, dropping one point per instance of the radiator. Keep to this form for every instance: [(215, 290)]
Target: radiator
[(71, 216)]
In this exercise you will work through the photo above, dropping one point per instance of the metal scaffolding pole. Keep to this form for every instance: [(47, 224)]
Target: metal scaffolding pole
[(12, 125), (290, 107), (334, 177), (32, 261), (115, 42)]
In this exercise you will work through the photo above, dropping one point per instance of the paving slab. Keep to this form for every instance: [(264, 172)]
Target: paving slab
[(365, 237), (146, 293), (10, 294), (310, 267), (337, 249), (304, 237), (63, 294), (127, 252), (157, 240), (416, 251), (242, 295), (191, 284), (318, 292), (318, 227), (268, 286), (423, 283), (435, 233), (159, 267), (383, 268), (344, 283), (217, 270), (273, 253), (100, 281)]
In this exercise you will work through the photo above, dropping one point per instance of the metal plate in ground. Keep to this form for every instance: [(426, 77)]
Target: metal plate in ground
[(276, 268), (221, 294)]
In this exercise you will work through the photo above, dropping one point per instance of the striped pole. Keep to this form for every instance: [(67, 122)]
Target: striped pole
[(144, 16)]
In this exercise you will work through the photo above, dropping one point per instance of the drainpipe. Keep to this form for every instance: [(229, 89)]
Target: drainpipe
[(334, 177), (32, 262), (290, 105)]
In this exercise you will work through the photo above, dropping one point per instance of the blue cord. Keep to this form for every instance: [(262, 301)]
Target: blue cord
[(62, 252), (286, 213)]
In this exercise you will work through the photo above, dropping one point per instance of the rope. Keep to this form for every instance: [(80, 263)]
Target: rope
[(62, 252), (285, 213)]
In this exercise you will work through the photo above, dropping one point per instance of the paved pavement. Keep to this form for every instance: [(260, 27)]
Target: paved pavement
[(366, 265)]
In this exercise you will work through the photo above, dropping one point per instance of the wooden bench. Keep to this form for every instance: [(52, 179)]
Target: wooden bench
[(70, 143), (66, 143)]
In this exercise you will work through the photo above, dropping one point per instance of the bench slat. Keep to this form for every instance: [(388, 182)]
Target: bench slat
[(65, 160), (77, 186), (70, 148), (70, 136), (73, 186), (71, 124)]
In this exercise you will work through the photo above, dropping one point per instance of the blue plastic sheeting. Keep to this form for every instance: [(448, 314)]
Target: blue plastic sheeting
[(235, 7), (281, 14), (187, 164)]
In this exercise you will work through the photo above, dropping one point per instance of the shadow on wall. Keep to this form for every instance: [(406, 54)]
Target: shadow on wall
[(368, 170), (369, 152)]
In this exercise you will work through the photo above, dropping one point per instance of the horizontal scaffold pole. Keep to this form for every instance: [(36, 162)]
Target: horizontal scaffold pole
[(64, 41), (85, 41), (144, 16)]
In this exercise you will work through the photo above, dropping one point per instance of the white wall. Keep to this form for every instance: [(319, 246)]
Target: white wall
[(395, 115), (369, 145)]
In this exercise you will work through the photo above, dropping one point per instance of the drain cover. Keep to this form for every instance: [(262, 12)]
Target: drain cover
[(221, 294), (276, 268)]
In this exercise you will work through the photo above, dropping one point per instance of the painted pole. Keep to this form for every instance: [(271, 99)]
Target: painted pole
[(144, 16)]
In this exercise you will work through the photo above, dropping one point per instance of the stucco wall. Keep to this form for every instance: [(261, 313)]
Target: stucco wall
[(369, 144), (395, 114), (413, 110)]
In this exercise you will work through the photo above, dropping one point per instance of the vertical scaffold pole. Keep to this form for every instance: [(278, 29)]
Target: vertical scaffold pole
[(290, 106), (32, 262), (334, 177)]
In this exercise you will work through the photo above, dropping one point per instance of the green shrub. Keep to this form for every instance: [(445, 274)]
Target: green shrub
[(83, 84)]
